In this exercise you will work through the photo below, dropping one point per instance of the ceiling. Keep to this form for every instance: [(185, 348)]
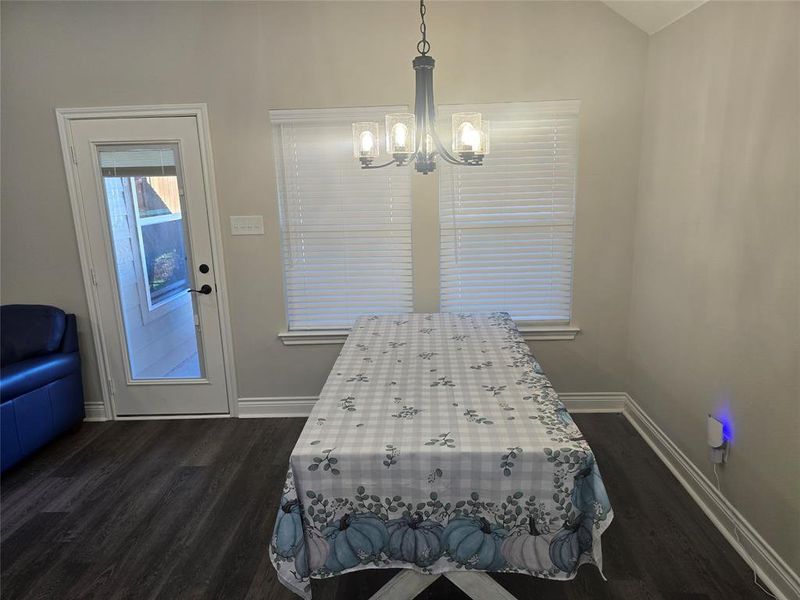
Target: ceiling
[(653, 15)]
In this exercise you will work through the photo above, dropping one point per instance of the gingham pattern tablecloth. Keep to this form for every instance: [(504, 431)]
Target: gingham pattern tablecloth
[(438, 444)]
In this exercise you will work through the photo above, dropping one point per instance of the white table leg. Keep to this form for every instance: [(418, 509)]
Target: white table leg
[(478, 586), (404, 586), (408, 583)]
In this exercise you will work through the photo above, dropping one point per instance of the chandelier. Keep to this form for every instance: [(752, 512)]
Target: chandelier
[(413, 137)]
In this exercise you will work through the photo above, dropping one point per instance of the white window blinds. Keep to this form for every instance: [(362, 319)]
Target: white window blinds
[(346, 232), (507, 227)]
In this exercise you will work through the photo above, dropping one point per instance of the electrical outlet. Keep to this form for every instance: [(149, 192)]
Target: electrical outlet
[(247, 225)]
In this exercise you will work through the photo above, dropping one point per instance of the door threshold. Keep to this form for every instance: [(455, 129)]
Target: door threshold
[(172, 417)]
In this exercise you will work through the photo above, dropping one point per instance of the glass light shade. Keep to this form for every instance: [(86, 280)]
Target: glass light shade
[(485, 139), (467, 133), (401, 133), (365, 140)]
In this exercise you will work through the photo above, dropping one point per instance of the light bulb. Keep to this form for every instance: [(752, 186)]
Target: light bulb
[(400, 137), (470, 137), (428, 144), (367, 142)]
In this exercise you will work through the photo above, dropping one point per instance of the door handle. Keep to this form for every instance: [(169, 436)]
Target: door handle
[(204, 289)]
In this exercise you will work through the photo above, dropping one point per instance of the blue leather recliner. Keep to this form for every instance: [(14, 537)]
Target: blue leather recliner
[(41, 393)]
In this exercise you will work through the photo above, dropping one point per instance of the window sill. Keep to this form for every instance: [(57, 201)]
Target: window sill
[(544, 333), (312, 337), (537, 333)]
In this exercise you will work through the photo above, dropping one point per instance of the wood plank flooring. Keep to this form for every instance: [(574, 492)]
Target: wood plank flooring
[(184, 509)]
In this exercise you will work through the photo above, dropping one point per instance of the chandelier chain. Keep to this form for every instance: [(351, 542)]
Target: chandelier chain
[(423, 46)]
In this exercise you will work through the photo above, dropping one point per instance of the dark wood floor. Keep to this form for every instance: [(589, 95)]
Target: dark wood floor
[(184, 509)]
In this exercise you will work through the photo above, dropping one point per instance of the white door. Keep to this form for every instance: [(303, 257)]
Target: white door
[(144, 202)]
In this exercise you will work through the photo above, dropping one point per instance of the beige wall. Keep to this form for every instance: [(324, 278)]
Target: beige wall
[(243, 59), (715, 305)]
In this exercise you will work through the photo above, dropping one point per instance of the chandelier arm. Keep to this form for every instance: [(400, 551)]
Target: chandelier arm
[(431, 116), (445, 154), (443, 151), (391, 162), (451, 160), (449, 157)]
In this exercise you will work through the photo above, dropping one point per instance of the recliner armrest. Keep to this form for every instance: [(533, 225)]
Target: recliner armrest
[(69, 343), (27, 375)]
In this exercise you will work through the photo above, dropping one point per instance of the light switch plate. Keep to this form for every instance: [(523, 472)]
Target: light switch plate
[(247, 225)]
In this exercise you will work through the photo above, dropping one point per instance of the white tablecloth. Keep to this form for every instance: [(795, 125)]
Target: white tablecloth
[(438, 444)]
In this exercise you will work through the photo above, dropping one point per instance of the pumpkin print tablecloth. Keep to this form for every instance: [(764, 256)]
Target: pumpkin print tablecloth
[(438, 444)]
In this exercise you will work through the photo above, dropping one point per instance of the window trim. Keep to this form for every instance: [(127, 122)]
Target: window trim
[(530, 333)]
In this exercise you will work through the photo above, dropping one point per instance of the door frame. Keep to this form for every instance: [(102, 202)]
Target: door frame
[(106, 410)]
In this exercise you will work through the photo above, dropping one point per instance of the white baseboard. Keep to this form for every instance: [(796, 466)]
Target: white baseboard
[(300, 406), (771, 568), (94, 411), (594, 402), (285, 406)]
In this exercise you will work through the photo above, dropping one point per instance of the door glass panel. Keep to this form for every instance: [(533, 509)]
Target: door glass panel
[(149, 241)]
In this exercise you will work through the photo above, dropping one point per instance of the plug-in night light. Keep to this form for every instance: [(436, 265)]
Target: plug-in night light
[(726, 418), (717, 441)]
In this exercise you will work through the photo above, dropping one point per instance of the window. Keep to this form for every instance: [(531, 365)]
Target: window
[(346, 232), (146, 183), (507, 228), (160, 236)]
